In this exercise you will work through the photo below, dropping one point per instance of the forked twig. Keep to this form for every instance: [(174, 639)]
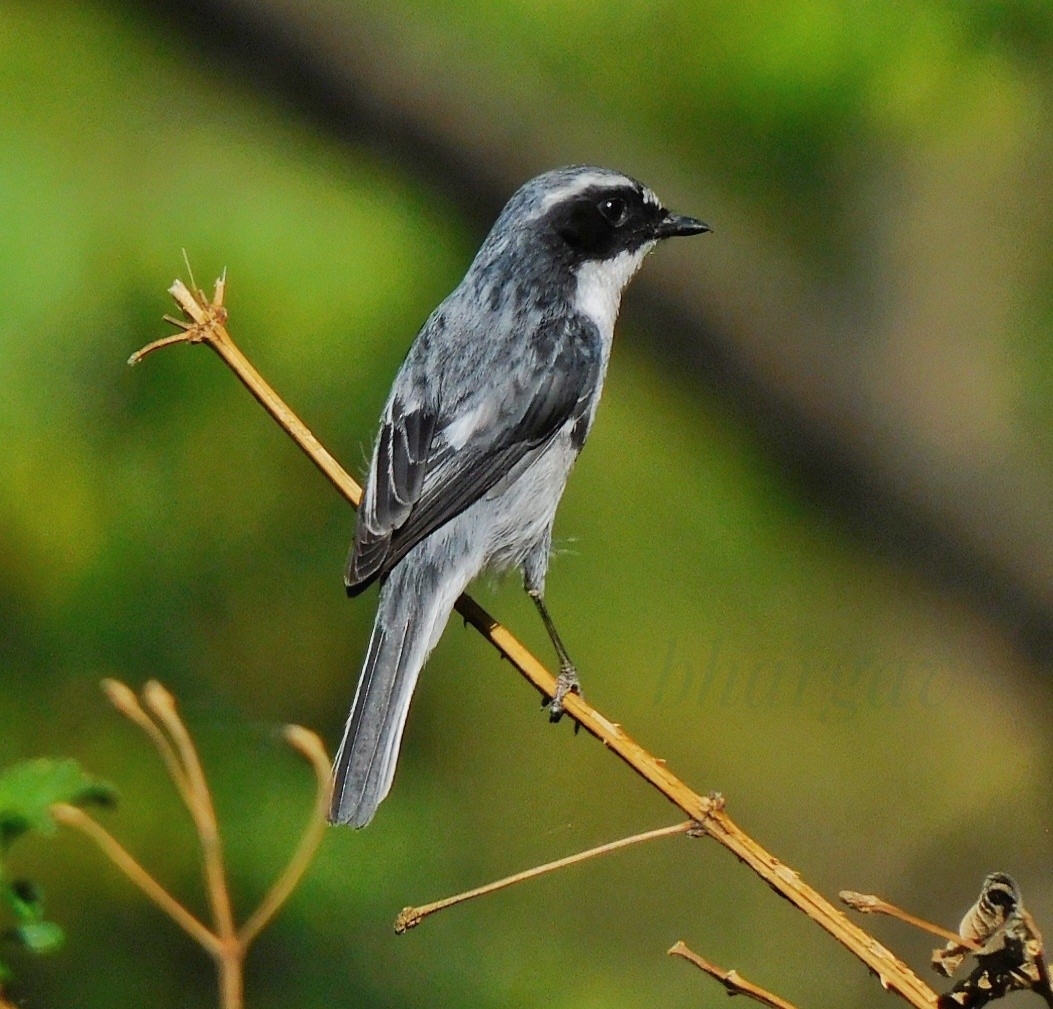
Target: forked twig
[(730, 979), (72, 816), (207, 324), (224, 942), (123, 698), (163, 706)]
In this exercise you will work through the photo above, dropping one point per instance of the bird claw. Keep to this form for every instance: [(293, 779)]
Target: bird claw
[(566, 683)]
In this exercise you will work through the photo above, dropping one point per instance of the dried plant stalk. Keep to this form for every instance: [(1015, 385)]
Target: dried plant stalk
[(206, 323), (411, 917), (730, 979), (224, 942)]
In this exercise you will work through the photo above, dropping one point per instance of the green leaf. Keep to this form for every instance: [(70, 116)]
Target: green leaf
[(31, 932), (39, 936), (29, 789), (25, 900), (27, 793)]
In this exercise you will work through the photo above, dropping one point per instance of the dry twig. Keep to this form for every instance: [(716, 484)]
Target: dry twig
[(224, 942), (411, 917), (1009, 957), (207, 324), (730, 979), (867, 903)]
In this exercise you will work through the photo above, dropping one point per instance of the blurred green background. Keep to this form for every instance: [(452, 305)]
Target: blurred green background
[(807, 556)]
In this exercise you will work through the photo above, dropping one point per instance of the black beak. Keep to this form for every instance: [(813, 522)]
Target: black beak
[(672, 225)]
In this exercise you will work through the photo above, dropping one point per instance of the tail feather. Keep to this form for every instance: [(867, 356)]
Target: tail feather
[(409, 623), (365, 763)]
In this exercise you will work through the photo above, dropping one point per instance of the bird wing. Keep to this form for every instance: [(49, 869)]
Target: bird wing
[(429, 467)]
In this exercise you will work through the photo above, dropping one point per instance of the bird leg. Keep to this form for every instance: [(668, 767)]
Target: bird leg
[(567, 682)]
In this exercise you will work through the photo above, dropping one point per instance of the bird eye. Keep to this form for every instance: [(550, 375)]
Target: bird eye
[(613, 210)]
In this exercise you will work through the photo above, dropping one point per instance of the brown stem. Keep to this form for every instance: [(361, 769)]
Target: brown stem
[(163, 705), (230, 967), (124, 700), (209, 326), (71, 816), (208, 319), (730, 979), (311, 747), (1042, 987), (411, 917), (227, 946), (867, 903)]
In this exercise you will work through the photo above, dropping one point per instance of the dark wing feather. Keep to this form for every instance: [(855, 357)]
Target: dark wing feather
[(395, 484), (413, 499)]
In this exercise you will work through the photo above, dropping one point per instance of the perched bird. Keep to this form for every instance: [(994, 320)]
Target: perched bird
[(483, 423)]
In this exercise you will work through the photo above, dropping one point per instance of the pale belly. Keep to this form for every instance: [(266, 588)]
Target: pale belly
[(510, 527), (521, 509)]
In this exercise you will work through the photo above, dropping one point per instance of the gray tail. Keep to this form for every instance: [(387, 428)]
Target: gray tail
[(410, 619)]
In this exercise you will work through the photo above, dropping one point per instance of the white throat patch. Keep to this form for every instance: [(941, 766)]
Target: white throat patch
[(600, 285)]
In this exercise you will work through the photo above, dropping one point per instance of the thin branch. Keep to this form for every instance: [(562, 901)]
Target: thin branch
[(411, 917), (1043, 987), (867, 903), (311, 747), (124, 700), (163, 705), (227, 945), (730, 979), (209, 326), (71, 816), (167, 341)]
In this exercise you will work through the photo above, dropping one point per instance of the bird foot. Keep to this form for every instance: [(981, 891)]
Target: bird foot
[(566, 683)]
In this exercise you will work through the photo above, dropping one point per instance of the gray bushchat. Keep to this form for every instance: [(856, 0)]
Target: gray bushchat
[(483, 423)]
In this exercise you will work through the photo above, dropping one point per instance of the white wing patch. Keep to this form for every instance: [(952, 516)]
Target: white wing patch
[(457, 433)]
